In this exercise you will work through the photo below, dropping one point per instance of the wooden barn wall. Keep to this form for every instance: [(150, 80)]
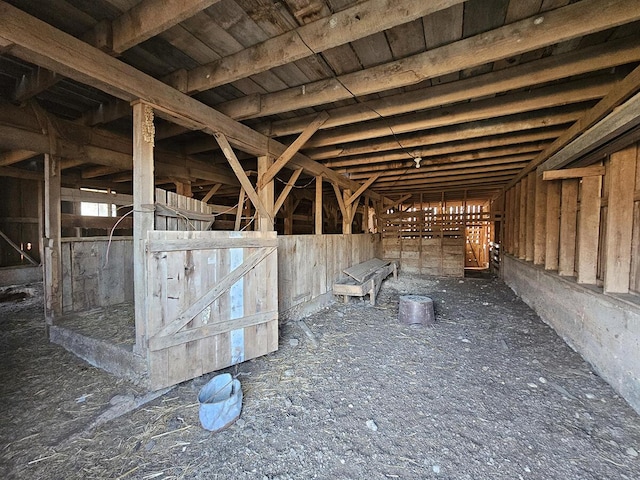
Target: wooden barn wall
[(308, 265), (96, 272), (19, 213), (439, 239), (573, 254)]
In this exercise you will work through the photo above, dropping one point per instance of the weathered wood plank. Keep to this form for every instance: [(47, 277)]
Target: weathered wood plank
[(589, 230), (552, 241), (622, 176), (568, 227), (593, 170)]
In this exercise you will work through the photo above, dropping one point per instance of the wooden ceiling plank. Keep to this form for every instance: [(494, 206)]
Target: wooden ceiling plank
[(625, 89), (340, 28), (292, 149), (548, 69), (44, 45), (546, 97), (150, 17), (575, 20)]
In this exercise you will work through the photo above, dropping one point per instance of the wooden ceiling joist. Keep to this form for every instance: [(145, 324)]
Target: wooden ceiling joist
[(37, 42), (547, 97), (340, 28), (574, 20), (486, 128), (548, 69), (625, 89)]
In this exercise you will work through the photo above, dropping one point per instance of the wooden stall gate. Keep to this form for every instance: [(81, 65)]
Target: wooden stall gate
[(212, 301)]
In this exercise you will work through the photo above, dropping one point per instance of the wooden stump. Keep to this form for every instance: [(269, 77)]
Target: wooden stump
[(416, 310)]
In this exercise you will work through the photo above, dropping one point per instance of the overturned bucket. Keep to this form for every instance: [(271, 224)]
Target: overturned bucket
[(416, 310), (220, 402)]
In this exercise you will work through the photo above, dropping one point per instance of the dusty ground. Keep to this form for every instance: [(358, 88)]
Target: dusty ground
[(490, 392)]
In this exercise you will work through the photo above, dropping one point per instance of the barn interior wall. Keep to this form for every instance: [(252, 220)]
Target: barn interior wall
[(19, 221), (605, 330), (573, 254)]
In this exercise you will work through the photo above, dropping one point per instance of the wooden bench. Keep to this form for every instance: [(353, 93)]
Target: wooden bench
[(365, 278)]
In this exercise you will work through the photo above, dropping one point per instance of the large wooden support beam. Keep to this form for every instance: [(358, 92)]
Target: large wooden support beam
[(266, 194), (51, 240), (531, 217), (242, 177), (143, 213), (317, 216), (589, 230), (552, 242), (619, 233), (551, 158), (292, 149), (15, 156), (548, 69), (568, 227), (572, 21), (522, 218), (44, 45), (340, 28)]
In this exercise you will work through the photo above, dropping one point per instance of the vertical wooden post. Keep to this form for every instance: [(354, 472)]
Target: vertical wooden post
[(516, 219), (266, 195), (531, 216), (508, 221), (318, 206), (288, 215), (540, 230), (622, 177), (568, 226), (589, 230), (51, 240), (553, 226), (143, 212), (347, 218), (522, 228), (184, 189)]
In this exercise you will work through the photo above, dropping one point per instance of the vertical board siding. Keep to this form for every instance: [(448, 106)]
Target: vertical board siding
[(308, 265), (89, 280), (240, 324)]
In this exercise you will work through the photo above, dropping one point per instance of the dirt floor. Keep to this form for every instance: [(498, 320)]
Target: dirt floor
[(490, 392)]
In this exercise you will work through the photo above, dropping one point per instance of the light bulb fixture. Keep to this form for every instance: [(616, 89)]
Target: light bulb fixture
[(417, 160)]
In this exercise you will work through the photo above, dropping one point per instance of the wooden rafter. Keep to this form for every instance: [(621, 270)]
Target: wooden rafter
[(212, 191), (340, 28), (574, 20), (530, 74), (623, 91), (51, 48)]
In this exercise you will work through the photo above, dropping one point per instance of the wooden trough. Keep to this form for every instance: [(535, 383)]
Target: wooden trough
[(365, 279)]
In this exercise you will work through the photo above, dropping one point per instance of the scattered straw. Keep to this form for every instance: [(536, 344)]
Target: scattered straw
[(170, 432)]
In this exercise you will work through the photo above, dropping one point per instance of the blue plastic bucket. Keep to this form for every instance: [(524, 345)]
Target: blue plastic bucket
[(220, 402)]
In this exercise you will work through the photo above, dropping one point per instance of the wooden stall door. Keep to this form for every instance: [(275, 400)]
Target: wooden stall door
[(212, 301)]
